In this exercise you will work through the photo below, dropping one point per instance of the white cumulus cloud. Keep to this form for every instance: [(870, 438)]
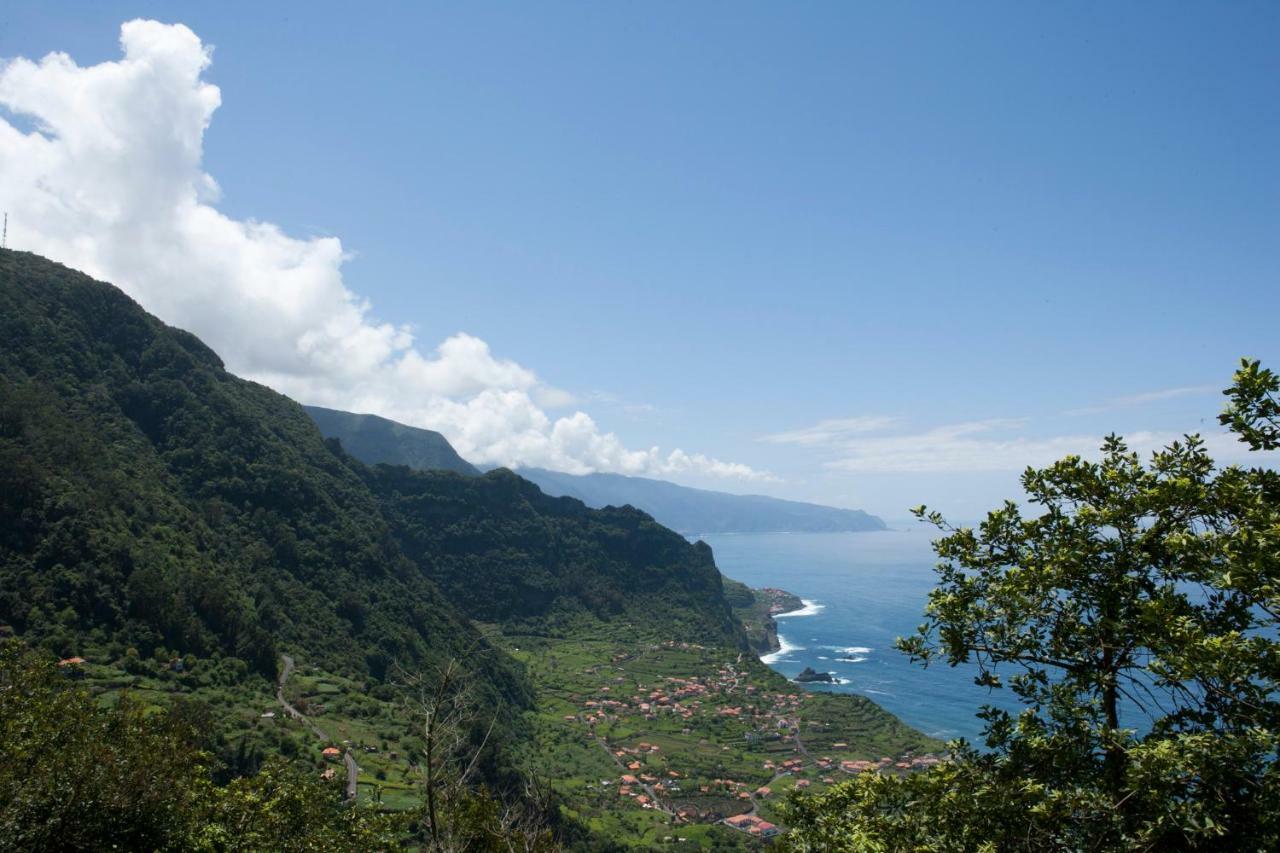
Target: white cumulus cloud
[(101, 168)]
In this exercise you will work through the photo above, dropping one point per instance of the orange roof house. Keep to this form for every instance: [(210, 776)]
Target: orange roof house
[(331, 753)]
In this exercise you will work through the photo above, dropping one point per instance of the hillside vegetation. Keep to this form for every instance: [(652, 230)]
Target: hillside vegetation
[(551, 563), (151, 500), (182, 529)]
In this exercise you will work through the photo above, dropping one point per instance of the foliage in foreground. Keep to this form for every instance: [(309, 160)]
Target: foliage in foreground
[(80, 776), (1137, 612)]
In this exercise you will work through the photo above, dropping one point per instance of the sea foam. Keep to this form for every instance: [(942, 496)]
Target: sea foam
[(811, 608), (784, 648)]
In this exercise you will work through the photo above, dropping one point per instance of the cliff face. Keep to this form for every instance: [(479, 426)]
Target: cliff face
[(755, 608), (770, 643), (508, 554)]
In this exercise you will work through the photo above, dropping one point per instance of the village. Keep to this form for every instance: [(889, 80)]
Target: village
[(693, 739)]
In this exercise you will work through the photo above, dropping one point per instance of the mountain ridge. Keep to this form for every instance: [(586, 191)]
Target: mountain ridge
[(154, 499), (376, 440), (694, 511)]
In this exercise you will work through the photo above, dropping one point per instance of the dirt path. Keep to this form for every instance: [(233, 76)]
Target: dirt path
[(353, 769)]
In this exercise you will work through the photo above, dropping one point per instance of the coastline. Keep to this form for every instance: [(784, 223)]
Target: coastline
[(810, 608), (757, 608), (783, 646), (783, 649), (874, 589)]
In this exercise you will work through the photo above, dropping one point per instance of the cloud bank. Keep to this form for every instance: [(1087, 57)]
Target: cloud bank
[(831, 430), (101, 169), (996, 444), (1145, 398)]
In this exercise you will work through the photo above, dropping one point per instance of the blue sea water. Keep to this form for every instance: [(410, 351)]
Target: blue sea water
[(866, 589)]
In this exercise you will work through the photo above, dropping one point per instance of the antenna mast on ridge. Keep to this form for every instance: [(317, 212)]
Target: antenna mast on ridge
[(4, 238)]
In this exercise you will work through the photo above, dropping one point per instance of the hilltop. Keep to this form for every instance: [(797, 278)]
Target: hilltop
[(374, 440)]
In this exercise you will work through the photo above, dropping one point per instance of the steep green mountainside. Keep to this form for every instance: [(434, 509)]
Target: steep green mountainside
[(507, 553), (155, 501), (374, 440), (150, 499), (181, 529), (697, 511)]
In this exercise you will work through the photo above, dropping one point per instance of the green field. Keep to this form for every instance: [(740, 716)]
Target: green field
[(700, 728)]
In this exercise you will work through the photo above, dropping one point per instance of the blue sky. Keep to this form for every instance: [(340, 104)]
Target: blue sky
[(718, 225)]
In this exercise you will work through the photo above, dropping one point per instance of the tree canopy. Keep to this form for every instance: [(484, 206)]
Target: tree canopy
[(1132, 609), (79, 775)]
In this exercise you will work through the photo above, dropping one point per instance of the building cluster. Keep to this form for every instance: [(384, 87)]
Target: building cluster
[(752, 825), (688, 698), (724, 695), (908, 763)]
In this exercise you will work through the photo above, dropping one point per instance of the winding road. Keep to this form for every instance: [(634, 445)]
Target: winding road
[(353, 769)]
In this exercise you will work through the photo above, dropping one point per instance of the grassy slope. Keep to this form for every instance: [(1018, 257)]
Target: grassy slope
[(575, 676)]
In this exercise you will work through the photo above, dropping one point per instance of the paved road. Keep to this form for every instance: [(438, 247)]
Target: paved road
[(648, 789), (353, 775), (353, 769)]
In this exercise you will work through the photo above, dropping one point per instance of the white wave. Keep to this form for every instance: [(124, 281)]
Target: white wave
[(811, 608), (823, 657), (850, 650), (784, 648), (849, 659)]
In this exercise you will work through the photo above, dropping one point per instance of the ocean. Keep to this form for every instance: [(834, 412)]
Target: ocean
[(861, 591)]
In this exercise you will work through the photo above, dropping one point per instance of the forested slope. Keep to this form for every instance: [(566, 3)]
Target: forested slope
[(149, 498), (505, 552)]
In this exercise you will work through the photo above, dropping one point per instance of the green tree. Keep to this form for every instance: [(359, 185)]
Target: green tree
[(1133, 612), (458, 813), (77, 775)]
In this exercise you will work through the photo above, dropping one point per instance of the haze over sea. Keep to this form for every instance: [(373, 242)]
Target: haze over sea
[(866, 589)]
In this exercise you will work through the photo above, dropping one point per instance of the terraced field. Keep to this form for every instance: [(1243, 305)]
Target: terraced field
[(657, 743)]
